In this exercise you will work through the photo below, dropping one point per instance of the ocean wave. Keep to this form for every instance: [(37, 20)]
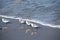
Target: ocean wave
[(34, 21)]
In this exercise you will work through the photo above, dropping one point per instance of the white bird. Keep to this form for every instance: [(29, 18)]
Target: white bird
[(21, 20), (5, 20), (34, 25), (28, 23)]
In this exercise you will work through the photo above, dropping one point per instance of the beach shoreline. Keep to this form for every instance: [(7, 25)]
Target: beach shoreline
[(14, 33)]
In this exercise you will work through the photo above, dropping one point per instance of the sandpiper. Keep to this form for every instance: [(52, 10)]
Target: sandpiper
[(5, 20), (21, 20), (28, 23), (34, 25)]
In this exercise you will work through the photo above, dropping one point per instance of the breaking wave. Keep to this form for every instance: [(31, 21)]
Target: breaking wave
[(39, 22)]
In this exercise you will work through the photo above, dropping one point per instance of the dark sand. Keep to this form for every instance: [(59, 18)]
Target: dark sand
[(14, 33)]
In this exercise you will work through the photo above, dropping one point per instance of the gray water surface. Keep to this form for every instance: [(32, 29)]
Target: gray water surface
[(47, 11)]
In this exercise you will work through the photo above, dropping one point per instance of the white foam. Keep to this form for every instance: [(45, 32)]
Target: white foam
[(11, 17), (39, 22), (45, 24)]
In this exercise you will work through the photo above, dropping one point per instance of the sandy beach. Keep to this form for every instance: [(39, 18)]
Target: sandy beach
[(14, 32)]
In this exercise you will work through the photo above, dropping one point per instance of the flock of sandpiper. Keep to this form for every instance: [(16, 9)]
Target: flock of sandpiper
[(22, 21), (33, 25)]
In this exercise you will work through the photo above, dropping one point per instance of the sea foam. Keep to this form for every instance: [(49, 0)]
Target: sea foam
[(39, 22)]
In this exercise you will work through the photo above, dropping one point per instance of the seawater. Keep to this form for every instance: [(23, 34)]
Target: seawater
[(44, 12)]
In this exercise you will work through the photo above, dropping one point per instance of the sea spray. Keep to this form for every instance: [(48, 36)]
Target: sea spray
[(39, 22)]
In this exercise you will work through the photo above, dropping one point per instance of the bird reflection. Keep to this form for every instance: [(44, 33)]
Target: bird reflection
[(29, 30), (34, 33), (4, 28)]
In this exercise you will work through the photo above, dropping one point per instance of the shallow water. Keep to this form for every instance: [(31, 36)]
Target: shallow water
[(14, 33)]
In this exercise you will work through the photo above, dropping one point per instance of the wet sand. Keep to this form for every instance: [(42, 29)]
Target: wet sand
[(14, 33)]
